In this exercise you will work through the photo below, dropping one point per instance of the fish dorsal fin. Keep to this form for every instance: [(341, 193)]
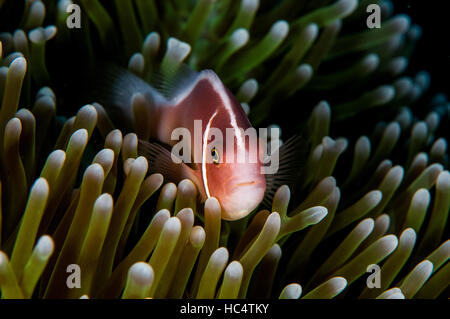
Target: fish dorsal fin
[(113, 87), (291, 159), (173, 82), (112, 82)]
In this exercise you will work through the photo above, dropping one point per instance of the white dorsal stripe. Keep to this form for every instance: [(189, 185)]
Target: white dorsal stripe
[(219, 89), (205, 145)]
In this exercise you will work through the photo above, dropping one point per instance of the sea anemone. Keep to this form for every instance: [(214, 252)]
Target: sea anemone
[(76, 195)]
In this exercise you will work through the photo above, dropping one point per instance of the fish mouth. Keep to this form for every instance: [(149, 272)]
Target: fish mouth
[(246, 183), (254, 182), (242, 199)]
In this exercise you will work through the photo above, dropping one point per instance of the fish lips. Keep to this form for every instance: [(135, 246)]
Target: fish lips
[(242, 199)]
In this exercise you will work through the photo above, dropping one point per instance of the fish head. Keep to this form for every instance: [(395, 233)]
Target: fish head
[(227, 157), (238, 186), (231, 157)]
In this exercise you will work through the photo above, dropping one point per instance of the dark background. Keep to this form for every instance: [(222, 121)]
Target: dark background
[(433, 50)]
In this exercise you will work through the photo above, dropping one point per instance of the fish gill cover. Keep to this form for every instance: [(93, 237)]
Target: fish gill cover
[(373, 192)]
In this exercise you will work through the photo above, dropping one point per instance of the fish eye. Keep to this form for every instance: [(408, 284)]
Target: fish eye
[(215, 155)]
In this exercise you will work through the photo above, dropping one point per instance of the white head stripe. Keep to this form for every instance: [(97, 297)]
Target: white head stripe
[(205, 144)]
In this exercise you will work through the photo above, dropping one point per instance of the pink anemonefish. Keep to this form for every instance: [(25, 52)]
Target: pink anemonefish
[(239, 186)]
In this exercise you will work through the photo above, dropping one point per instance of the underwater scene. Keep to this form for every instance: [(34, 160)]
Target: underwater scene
[(224, 149)]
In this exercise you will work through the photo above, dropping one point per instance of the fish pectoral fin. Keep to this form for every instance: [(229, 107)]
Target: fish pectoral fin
[(291, 156), (161, 161)]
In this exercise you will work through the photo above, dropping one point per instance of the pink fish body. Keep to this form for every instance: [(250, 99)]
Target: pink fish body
[(238, 186)]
